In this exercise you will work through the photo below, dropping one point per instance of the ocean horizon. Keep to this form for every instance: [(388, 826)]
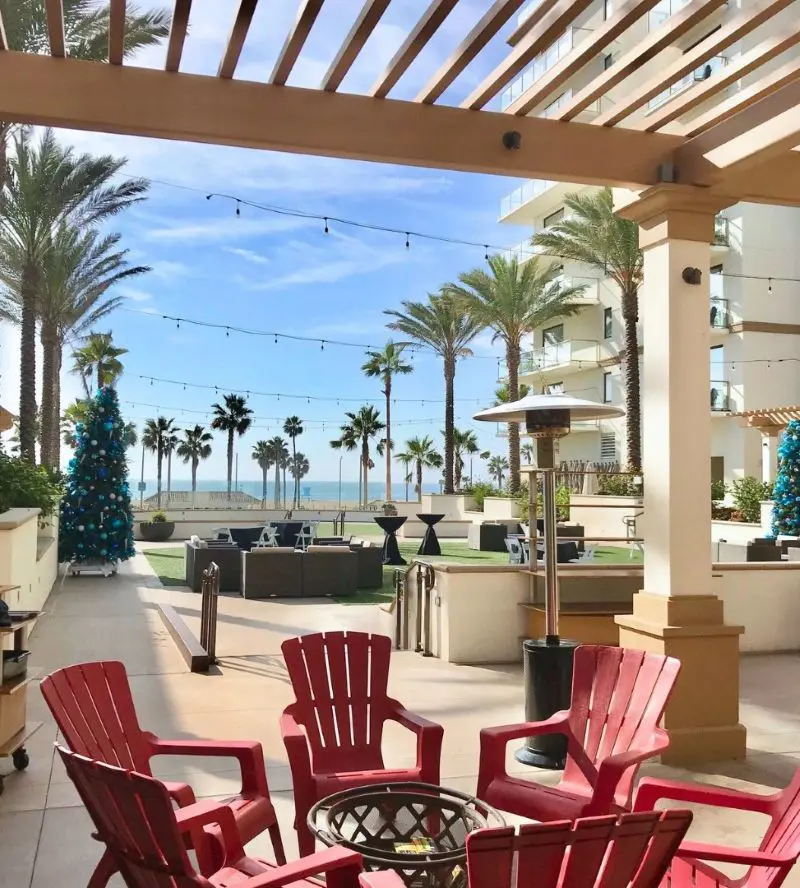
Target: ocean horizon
[(310, 491)]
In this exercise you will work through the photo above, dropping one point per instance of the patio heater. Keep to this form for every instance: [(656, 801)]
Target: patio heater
[(548, 660)]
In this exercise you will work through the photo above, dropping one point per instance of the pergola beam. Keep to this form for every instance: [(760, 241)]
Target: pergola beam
[(580, 56), (750, 138), (364, 25), (55, 28), (546, 32), (306, 16), (412, 46), (147, 102), (777, 181), (177, 33), (535, 16), (116, 31), (486, 28), (235, 44), (737, 28), (700, 92), (675, 27), (744, 98)]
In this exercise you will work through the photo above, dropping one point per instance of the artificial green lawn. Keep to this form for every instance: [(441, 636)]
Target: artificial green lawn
[(168, 565)]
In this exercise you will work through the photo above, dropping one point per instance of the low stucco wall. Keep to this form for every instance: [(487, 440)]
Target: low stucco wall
[(602, 516), (28, 558), (734, 531), (497, 508)]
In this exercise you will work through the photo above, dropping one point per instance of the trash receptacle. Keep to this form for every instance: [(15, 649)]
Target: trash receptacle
[(548, 688)]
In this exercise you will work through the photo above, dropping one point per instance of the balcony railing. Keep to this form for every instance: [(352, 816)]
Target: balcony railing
[(722, 235), (541, 65), (720, 318), (703, 72), (554, 354), (720, 396), (526, 192), (662, 11)]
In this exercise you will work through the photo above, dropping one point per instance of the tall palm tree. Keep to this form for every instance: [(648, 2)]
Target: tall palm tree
[(421, 452), (498, 465), (528, 452), (441, 326), (465, 442), (171, 442), (512, 300), (278, 452), (356, 433), (502, 395), (386, 364), (293, 426), (47, 184), (98, 357), (156, 431), (405, 460), (262, 454), (298, 469), (76, 276), (194, 447), (592, 233), (235, 418), (86, 36)]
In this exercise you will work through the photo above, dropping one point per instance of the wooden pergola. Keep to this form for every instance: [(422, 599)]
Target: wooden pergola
[(741, 149), (680, 163)]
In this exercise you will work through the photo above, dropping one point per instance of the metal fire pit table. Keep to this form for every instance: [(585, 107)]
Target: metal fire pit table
[(417, 830)]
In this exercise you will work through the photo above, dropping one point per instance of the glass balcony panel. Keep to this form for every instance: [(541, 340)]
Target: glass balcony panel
[(720, 395)]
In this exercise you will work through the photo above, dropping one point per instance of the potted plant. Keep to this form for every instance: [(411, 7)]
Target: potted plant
[(157, 529)]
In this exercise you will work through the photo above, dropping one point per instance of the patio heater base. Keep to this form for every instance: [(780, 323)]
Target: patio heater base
[(548, 688)]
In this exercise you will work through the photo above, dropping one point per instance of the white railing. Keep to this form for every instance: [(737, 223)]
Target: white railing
[(662, 11), (703, 72), (526, 192), (541, 65), (552, 355)]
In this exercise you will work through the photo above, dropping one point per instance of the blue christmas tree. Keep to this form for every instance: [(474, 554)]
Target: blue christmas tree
[(786, 492), (96, 520)]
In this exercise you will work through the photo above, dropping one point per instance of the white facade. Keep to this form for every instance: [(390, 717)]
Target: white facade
[(755, 323)]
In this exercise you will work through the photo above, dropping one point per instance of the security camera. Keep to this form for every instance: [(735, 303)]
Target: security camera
[(512, 140)]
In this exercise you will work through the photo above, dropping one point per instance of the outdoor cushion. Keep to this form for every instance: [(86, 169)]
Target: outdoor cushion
[(271, 550)]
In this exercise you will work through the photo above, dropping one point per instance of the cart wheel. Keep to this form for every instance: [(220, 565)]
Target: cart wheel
[(21, 759)]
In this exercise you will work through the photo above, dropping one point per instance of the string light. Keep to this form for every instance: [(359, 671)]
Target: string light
[(327, 230), (408, 241), (238, 210), (769, 288)]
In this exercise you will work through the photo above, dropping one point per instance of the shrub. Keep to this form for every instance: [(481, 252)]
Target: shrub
[(479, 491), (158, 518), (562, 503), (618, 485), (24, 485), (718, 491), (748, 494)]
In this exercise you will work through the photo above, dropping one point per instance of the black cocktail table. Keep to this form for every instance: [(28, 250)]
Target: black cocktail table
[(390, 524), (416, 830), (430, 542)]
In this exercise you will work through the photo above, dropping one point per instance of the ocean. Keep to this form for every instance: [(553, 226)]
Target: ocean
[(310, 491)]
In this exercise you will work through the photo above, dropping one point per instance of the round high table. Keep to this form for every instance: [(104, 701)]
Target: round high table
[(430, 542), (390, 524)]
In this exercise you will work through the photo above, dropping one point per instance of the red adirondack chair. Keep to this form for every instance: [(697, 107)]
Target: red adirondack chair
[(93, 708), (145, 836), (618, 698), (333, 731), (630, 851), (767, 867)]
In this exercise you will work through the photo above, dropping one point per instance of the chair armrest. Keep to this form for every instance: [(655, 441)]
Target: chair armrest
[(248, 753), (556, 724), (297, 750), (380, 880), (723, 854), (651, 791), (193, 818), (410, 720), (346, 864), (429, 739), (611, 769)]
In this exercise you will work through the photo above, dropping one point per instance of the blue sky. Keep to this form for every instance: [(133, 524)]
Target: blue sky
[(271, 272)]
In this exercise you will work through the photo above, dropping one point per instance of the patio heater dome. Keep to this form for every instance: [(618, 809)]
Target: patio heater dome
[(548, 416)]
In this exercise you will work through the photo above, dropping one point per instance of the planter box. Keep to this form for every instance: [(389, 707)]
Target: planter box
[(156, 531), (499, 508)]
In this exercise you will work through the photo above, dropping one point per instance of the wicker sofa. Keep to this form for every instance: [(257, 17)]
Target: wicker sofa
[(329, 570), (199, 554), (275, 572)]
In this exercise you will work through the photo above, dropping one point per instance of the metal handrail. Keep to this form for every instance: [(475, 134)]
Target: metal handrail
[(208, 610), (401, 606)]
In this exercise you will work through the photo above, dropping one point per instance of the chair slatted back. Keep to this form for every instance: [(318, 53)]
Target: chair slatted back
[(134, 818), (631, 851), (94, 710), (340, 682), (618, 698)]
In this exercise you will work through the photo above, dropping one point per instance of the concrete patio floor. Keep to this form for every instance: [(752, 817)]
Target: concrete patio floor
[(44, 832)]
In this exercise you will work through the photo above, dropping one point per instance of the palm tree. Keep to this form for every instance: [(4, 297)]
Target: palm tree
[(441, 326), (262, 455), (235, 418), (76, 275), (156, 432), (513, 300), (421, 452), (357, 432), (98, 357), (278, 453), (293, 426), (385, 364), (406, 461), (528, 451), (592, 233), (298, 468), (194, 447), (85, 35), (502, 395), (45, 186), (497, 466), (464, 442)]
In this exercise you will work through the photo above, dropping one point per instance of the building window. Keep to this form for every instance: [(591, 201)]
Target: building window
[(608, 61), (555, 388), (608, 325), (553, 335), (608, 446), (554, 218), (606, 388)]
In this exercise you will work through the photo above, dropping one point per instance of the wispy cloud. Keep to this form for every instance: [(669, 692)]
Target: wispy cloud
[(168, 270), (217, 230), (248, 255), (134, 294)]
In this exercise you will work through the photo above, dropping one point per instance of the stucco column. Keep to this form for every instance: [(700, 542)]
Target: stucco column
[(677, 613)]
